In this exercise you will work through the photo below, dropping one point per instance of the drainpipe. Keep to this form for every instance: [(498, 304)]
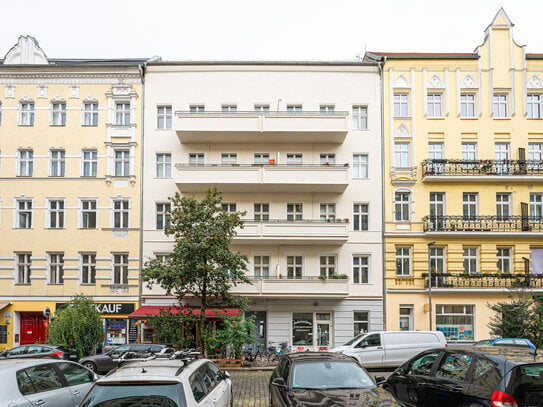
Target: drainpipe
[(383, 247), (142, 77)]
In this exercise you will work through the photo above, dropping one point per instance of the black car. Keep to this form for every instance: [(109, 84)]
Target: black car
[(110, 360), (40, 351), (324, 379), (471, 377)]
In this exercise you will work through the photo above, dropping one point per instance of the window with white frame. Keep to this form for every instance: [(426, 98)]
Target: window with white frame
[(89, 214), (402, 206), (197, 108), (58, 114), (503, 206), (294, 211), (401, 105), (163, 165), (24, 267), (56, 268), (470, 205), (361, 322), (360, 117), (90, 114), (401, 155), (164, 117), (229, 108), (261, 211), (327, 158), (26, 114), (536, 206), (122, 113), (360, 166), (24, 214), (163, 215), (197, 159), (403, 261), (437, 260), (261, 158), (500, 105), (89, 163), (327, 212), (328, 265), (436, 155), (533, 105), (456, 321), (504, 257), (229, 158), (294, 266), (467, 105), (121, 213), (57, 163), (327, 109), (437, 210), (502, 154), (535, 156), (294, 158), (294, 108), (120, 268), (360, 216), (261, 266), (434, 105), (88, 268), (56, 213), (262, 108), (361, 269), (230, 207), (25, 163), (471, 260), (469, 155), (122, 162)]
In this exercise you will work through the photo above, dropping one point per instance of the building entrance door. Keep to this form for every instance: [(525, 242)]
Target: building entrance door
[(33, 328)]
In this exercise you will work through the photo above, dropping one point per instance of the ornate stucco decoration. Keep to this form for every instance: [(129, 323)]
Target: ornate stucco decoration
[(534, 83), (402, 132), (468, 83), (401, 82), (27, 51), (435, 82), (74, 92), (9, 91), (42, 91)]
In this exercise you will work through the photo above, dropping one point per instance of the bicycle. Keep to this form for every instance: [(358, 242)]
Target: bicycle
[(257, 357), (273, 355)]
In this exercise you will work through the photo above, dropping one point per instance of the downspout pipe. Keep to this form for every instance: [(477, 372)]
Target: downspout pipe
[(383, 223), (140, 281)]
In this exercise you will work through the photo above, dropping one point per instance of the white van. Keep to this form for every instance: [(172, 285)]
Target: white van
[(390, 348)]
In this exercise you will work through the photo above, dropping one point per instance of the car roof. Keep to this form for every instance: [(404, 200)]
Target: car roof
[(317, 356), (21, 363), (515, 356)]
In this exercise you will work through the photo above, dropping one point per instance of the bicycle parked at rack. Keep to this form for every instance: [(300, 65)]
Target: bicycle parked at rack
[(258, 357), (274, 355)]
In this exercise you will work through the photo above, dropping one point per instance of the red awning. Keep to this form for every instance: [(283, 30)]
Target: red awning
[(150, 311)]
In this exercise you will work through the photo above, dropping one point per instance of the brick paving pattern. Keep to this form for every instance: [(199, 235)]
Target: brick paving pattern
[(250, 387)]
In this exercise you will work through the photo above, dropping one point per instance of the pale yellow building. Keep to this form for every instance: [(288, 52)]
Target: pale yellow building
[(463, 184), (70, 135)]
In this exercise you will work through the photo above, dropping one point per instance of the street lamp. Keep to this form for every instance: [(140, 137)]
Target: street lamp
[(430, 244)]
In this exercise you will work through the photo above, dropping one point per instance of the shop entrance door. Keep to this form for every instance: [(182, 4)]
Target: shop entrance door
[(33, 328)]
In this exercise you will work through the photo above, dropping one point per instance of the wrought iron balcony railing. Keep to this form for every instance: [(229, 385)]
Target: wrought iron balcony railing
[(486, 280), (459, 223), (482, 167)]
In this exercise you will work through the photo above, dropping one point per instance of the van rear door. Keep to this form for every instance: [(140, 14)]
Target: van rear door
[(369, 351)]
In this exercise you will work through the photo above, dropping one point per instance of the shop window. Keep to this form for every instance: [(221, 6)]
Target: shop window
[(311, 329), (455, 321)]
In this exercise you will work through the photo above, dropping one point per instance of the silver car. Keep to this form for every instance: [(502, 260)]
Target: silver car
[(43, 383)]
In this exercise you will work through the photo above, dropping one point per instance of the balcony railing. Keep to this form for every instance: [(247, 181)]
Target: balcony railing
[(492, 280), (459, 223), (482, 167)]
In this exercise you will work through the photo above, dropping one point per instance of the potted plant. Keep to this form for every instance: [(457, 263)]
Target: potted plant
[(322, 277)]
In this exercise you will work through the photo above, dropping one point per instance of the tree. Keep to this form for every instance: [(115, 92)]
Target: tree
[(170, 328), (77, 326), (202, 264), (236, 332)]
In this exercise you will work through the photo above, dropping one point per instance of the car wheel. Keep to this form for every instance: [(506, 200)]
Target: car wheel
[(90, 366)]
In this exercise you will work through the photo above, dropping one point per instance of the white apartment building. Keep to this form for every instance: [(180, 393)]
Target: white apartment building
[(297, 145)]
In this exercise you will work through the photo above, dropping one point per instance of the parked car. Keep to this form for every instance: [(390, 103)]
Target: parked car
[(43, 382), (110, 360), (509, 342), (390, 348), (163, 382), (485, 376), (324, 379), (40, 351)]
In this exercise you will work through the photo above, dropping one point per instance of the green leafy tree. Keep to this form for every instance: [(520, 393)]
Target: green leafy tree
[(172, 328), (236, 332), (77, 326), (202, 264)]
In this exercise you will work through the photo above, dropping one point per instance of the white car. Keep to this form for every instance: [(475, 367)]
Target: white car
[(163, 383)]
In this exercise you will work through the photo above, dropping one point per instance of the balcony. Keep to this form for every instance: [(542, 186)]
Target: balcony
[(310, 287), (302, 232), (485, 281), (492, 170), (499, 224), (331, 178), (257, 127)]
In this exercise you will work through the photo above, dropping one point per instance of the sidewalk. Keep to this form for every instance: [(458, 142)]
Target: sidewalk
[(250, 386)]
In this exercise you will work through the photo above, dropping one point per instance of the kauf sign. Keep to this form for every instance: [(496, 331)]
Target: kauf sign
[(108, 307)]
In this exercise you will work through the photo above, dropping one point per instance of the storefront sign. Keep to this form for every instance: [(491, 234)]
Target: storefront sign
[(108, 308)]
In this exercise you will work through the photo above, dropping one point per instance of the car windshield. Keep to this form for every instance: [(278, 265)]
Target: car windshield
[(135, 395), (526, 384), (355, 339), (333, 374), (484, 342)]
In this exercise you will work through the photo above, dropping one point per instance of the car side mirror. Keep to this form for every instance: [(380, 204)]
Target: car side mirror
[(279, 382), (225, 375), (362, 345), (380, 379)]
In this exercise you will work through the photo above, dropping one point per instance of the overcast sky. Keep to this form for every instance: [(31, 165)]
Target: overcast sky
[(260, 29)]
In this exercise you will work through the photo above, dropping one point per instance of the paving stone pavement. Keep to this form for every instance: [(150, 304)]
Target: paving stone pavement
[(250, 387)]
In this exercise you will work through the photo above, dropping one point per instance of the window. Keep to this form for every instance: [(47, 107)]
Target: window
[(88, 214), (261, 158), (403, 261), (122, 114), (294, 211), (503, 207), (327, 212), (229, 207), (401, 154), (26, 113), (328, 265), (500, 105), (197, 108), (262, 108), (360, 166), (467, 105), (24, 214), (24, 268), (75, 374), (88, 268), (360, 216), (163, 215), (505, 260), (361, 322), (25, 163), (536, 207), (401, 206), (39, 379), (229, 108), (406, 317), (196, 159), (533, 105), (122, 163), (535, 156), (327, 158), (90, 114), (294, 266), (262, 212), (56, 268), (469, 155), (164, 117), (58, 114), (401, 105), (455, 321), (437, 210), (57, 163), (294, 159), (327, 109), (436, 157), (470, 206), (56, 214), (360, 117), (422, 366), (261, 266), (120, 268), (163, 165), (89, 159), (471, 260), (294, 108), (502, 154), (121, 213), (454, 366), (360, 269), (434, 105), (229, 158), (437, 260)]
